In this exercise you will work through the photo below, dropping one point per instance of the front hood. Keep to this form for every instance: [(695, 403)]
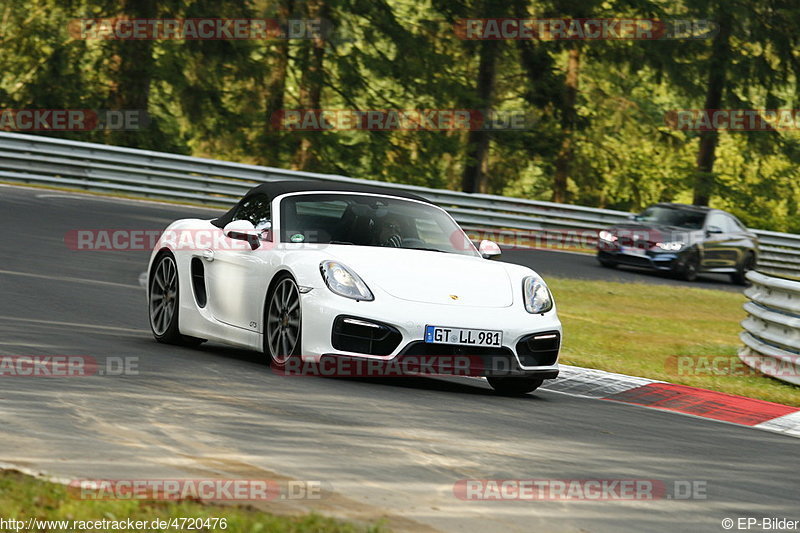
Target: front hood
[(429, 277), (652, 233)]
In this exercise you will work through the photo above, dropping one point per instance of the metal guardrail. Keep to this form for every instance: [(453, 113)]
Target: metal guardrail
[(771, 333), (98, 167)]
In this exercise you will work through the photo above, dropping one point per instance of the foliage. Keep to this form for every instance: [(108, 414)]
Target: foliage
[(215, 98)]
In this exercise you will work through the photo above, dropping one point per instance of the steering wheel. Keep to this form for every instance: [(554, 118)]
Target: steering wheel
[(394, 241)]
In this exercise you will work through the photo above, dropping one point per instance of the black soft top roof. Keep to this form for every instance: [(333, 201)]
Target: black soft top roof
[(276, 188)]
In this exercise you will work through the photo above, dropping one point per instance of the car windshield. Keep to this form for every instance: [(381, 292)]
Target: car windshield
[(673, 216), (367, 220)]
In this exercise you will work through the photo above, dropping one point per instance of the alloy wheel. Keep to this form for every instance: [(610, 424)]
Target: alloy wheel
[(283, 321), (163, 295)]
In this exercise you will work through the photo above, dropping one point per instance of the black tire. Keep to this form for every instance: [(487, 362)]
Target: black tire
[(605, 263), (747, 264), (163, 296), (514, 386), (283, 322), (690, 268)]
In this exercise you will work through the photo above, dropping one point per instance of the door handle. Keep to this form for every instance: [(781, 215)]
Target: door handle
[(208, 255)]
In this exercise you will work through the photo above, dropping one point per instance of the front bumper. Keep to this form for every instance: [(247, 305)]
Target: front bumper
[(516, 357), (652, 259)]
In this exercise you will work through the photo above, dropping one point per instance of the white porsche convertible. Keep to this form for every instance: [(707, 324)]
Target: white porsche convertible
[(307, 271)]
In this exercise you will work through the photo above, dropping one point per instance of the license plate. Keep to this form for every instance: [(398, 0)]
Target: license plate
[(468, 337), (628, 250)]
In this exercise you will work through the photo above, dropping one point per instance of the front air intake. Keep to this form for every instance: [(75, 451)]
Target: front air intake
[(539, 349), (358, 335)]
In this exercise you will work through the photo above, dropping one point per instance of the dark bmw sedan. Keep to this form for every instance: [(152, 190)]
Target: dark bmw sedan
[(682, 239)]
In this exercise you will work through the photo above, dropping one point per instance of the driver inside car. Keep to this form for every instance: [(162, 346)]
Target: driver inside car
[(390, 233)]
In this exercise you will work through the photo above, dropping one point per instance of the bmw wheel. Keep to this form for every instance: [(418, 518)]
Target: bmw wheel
[(691, 266), (748, 263), (606, 263)]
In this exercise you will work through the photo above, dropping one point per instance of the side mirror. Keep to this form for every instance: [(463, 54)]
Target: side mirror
[(489, 249), (243, 230), (264, 231), (633, 216), (713, 230)]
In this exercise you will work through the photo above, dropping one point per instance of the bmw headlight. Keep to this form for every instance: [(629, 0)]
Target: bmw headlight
[(344, 281), (672, 246), (607, 236), (536, 295)]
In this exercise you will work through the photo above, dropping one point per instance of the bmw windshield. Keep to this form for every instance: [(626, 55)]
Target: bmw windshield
[(367, 220), (670, 216)]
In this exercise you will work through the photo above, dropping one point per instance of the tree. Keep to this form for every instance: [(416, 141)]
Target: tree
[(474, 176), (270, 143), (600, 137), (748, 63), (131, 72), (717, 74), (312, 65)]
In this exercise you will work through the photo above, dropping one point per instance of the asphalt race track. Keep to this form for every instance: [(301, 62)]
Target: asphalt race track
[(578, 265), (392, 448)]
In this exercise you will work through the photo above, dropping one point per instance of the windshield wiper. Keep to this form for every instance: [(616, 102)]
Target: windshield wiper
[(426, 249), (340, 242)]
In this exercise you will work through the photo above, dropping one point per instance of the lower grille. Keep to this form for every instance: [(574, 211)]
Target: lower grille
[(634, 260)]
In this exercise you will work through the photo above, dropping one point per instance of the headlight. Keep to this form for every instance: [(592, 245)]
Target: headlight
[(536, 295), (344, 281), (672, 246), (607, 236)]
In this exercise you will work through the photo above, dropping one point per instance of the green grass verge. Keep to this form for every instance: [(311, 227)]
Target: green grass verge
[(23, 497), (640, 329)]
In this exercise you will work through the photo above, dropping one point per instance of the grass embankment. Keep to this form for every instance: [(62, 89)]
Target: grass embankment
[(641, 329), (23, 497)]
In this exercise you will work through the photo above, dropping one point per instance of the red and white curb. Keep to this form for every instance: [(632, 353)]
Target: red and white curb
[(589, 383)]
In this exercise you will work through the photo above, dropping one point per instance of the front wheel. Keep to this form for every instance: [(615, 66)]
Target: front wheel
[(748, 263), (164, 301), (605, 263), (690, 268), (283, 322), (514, 386)]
